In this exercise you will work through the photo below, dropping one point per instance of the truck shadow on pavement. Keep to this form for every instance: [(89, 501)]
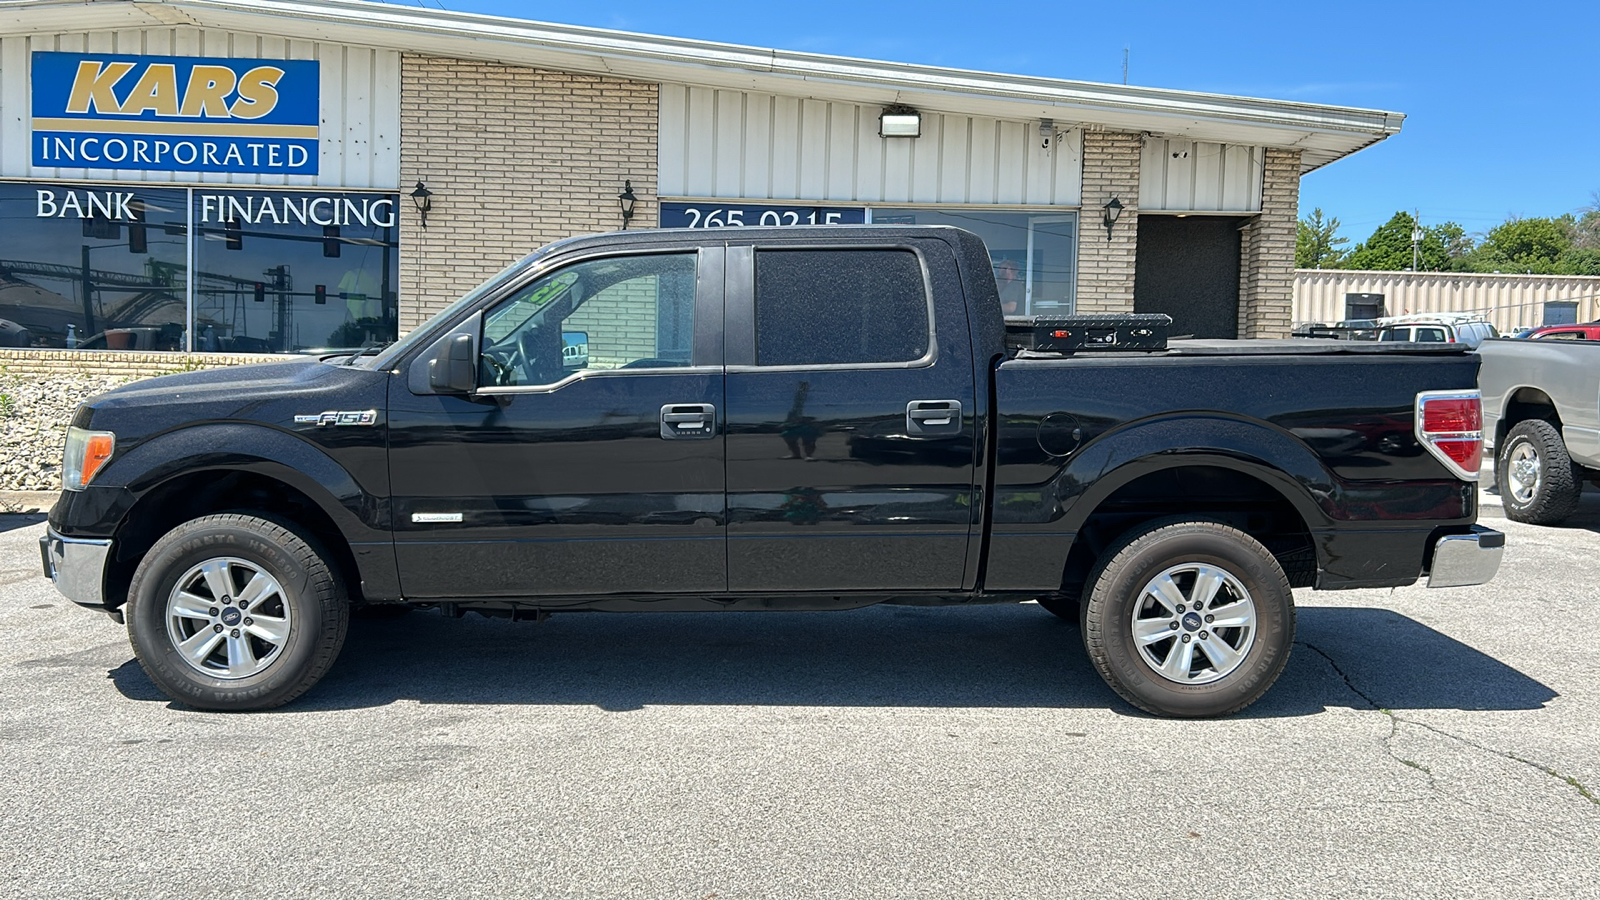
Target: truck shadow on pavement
[(995, 656)]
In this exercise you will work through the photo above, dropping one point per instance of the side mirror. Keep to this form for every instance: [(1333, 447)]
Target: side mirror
[(452, 370)]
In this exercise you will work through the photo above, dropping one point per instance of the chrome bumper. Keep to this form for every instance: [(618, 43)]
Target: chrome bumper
[(77, 566), (1464, 559)]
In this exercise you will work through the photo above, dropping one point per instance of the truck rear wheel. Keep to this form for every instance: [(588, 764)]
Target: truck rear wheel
[(235, 612), (1535, 475), (1189, 619)]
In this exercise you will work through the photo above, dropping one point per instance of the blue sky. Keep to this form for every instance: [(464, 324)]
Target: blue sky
[(1502, 98)]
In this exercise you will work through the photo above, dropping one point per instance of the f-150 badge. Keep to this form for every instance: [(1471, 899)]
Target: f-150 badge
[(340, 417)]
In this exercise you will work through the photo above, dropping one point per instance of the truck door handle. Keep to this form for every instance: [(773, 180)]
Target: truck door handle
[(688, 421), (933, 418)]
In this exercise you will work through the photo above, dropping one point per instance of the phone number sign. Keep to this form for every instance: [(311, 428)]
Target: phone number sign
[(735, 215)]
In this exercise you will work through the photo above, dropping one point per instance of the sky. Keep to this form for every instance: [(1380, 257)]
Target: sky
[(1502, 99)]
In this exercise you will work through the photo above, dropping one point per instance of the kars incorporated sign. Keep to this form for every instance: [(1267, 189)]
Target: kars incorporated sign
[(175, 113)]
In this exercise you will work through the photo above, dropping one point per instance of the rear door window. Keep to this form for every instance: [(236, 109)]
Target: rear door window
[(1395, 334), (823, 307), (1430, 335)]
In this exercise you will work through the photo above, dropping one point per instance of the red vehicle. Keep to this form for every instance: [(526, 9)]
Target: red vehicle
[(1587, 331)]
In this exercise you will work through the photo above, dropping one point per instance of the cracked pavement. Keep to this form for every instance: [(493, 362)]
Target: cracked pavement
[(1420, 743)]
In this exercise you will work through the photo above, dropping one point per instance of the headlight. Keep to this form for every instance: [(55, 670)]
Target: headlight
[(87, 451)]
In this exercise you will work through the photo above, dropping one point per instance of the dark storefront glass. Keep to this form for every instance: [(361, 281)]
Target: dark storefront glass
[(283, 272), (1034, 254), (92, 266), (106, 266)]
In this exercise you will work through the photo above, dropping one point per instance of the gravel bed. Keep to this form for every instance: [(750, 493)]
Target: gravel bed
[(34, 414)]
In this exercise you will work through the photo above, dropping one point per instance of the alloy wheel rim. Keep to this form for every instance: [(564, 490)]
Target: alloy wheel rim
[(1194, 623), (228, 618), (1522, 472)]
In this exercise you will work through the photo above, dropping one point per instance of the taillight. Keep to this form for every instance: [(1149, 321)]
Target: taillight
[(1450, 426)]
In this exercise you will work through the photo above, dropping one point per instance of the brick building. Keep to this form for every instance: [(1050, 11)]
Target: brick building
[(243, 179)]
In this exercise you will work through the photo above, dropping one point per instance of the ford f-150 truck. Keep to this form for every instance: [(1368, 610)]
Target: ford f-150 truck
[(1541, 411), (778, 419)]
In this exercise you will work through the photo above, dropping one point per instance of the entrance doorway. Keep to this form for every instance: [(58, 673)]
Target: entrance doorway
[(1188, 268)]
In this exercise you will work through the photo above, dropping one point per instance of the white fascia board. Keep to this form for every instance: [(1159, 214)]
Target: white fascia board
[(1325, 132)]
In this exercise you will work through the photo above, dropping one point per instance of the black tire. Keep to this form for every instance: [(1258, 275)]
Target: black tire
[(1117, 590), (1557, 486), (1069, 608), (310, 601)]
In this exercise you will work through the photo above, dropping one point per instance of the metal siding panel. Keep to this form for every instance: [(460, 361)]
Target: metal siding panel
[(925, 160), (1039, 188), (1208, 176), (755, 162), (671, 139), (813, 172), (954, 151), (898, 158), (16, 151), (1258, 174), (842, 124), (330, 166), (869, 156), (1236, 179), (785, 179), (1011, 161), (385, 112), (700, 176), (1153, 174), (1067, 178), (357, 128), (728, 144), (982, 179), (1180, 175)]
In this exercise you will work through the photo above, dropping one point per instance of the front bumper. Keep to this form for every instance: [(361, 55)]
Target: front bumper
[(77, 566), (1465, 559)]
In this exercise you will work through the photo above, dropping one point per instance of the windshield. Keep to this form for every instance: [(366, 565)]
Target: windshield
[(394, 350)]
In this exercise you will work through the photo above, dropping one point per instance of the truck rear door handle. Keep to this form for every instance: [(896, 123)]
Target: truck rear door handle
[(688, 421), (933, 418)]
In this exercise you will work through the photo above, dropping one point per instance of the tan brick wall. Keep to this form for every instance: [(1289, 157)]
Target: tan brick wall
[(516, 158), (34, 363), (1105, 267), (1266, 251)]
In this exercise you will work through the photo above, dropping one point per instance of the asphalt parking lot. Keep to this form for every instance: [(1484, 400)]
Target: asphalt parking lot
[(1421, 743)]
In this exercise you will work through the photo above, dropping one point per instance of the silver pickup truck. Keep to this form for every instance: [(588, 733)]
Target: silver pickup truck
[(1541, 417)]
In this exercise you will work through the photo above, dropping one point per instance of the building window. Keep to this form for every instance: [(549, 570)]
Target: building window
[(1035, 254), (93, 267), (108, 267), (286, 272)]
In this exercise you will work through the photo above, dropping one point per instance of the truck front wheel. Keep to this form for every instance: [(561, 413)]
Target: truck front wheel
[(1537, 482), (235, 612), (1189, 619)]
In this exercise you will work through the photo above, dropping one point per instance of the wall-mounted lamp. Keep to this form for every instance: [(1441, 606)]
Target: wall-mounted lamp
[(423, 198), (899, 121), (1047, 130), (627, 200), (1109, 215)]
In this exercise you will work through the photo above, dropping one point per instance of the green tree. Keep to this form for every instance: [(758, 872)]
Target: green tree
[(1389, 248), (1525, 245), (1317, 244)]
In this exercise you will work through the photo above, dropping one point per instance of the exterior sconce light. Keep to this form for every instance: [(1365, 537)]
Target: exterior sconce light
[(1109, 215), (423, 198), (626, 200), (899, 121)]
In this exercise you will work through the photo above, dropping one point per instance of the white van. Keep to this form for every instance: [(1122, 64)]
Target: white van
[(1440, 329)]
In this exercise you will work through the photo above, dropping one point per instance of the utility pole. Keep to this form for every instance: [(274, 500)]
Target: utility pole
[(1416, 238), (1125, 65)]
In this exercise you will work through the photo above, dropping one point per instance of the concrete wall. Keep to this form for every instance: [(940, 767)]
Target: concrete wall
[(516, 158), (1508, 301)]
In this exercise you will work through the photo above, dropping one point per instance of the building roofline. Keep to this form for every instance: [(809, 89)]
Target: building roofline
[(1323, 132)]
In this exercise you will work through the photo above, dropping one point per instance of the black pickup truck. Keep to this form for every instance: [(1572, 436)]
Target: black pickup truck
[(778, 419)]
